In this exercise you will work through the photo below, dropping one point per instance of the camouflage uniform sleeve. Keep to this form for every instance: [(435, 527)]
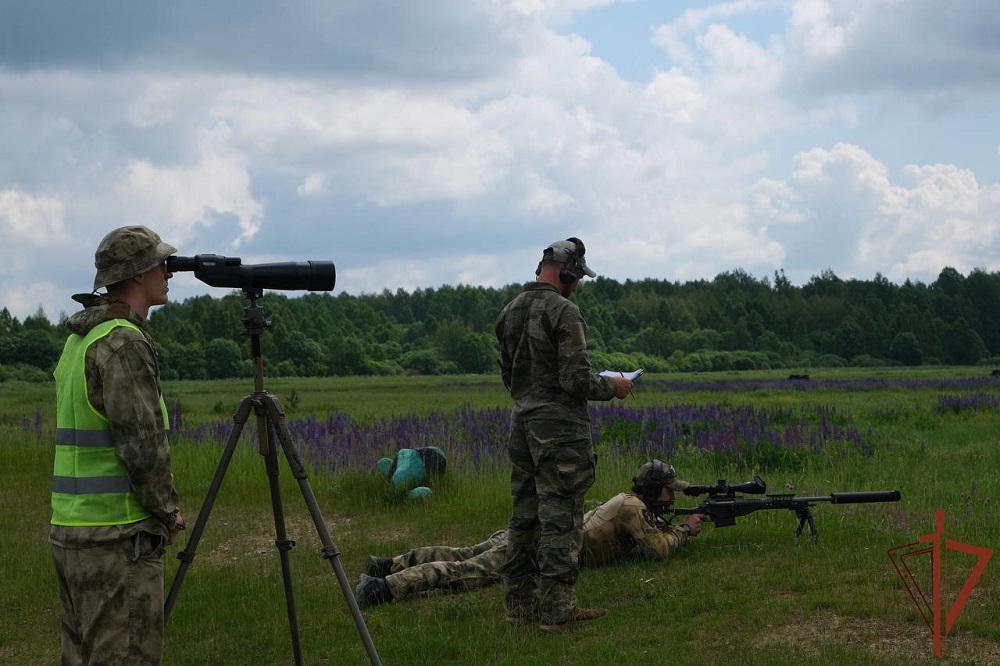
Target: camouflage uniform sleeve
[(650, 542), (575, 374), (127, 392)]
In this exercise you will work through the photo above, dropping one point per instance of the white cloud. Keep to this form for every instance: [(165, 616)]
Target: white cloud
[(179, 199), (938, 54), (817, 31), (775, 201), (312, 184), (675, 95), (31, 220), (34, 236), (937, 216), (542, 199)]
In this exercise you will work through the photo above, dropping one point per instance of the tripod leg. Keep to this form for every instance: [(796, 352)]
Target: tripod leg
[(282, 542), (330, 551), (187, 555)]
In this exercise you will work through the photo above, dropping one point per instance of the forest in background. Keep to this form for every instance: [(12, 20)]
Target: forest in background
[(732, 322)]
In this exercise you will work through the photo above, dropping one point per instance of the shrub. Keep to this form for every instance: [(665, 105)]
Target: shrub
[(24, 373)]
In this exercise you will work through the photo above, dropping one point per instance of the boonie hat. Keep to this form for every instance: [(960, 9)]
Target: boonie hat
[(128, 251), (567, 251), (655, 472)]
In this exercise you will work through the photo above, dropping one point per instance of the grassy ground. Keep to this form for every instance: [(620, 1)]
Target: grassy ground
[(752, 593)]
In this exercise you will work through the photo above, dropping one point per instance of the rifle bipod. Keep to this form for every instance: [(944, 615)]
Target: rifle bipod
[(805, 515)]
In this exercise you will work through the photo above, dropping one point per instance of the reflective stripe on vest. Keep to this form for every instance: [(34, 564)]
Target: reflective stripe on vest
[(90, 485)]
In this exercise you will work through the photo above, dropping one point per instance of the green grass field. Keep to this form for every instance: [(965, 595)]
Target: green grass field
[(751, 594)]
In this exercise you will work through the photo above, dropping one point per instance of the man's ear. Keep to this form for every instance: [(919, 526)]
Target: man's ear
[(141, 277)]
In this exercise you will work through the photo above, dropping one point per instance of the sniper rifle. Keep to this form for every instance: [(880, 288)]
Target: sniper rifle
[(725, 503)]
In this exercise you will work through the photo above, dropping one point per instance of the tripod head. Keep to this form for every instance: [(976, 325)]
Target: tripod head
[(254, 324), (254, 321)]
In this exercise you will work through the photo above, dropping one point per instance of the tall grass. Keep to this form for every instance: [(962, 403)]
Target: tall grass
[(752, 593)]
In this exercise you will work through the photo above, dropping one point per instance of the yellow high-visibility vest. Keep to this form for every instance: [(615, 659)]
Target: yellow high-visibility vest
[(90, 485)]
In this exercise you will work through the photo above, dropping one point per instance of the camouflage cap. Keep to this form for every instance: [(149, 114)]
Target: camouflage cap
[(655, 472), (568, 251), (128, 251)]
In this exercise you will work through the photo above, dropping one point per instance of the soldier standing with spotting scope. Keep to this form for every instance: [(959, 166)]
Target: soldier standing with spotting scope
[(114, 505), (543, 347)]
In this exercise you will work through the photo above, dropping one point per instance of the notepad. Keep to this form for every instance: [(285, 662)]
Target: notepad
[(631, 376)]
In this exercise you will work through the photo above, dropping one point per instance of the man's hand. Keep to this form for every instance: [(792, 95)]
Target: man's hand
[(622, 387), (694, 522), (178, 526)]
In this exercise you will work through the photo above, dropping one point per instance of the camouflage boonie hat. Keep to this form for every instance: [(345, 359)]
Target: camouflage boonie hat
[(568, 251), (655, 472), (128, 251)]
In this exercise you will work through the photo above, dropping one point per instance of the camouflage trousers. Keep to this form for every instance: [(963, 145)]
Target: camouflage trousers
[(112, 601), (435, 567), (552, 467)]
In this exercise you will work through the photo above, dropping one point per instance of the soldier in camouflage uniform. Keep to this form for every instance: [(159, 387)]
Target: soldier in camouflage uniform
[(543, 347), (628, 526), (114, 505), (430, 568)]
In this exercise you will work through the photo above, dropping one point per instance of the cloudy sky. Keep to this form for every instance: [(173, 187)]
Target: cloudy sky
[(418, 144)]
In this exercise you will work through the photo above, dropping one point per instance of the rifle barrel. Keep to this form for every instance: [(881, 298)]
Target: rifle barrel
[(859, 497), (865, 496)]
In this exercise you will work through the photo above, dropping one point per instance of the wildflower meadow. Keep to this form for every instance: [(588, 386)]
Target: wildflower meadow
[(753, 592)]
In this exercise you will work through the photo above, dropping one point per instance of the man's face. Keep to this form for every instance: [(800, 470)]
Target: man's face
[(666, 495), (154, 283)]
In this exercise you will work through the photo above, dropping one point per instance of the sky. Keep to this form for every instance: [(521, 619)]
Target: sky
[(423, 144)]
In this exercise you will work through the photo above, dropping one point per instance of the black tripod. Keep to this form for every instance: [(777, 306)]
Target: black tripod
[(270, 419)]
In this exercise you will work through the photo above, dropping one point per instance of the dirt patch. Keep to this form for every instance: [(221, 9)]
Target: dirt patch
[(248, 542), (258, 539), (900, 643)]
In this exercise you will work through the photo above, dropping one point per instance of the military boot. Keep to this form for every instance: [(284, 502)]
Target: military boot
[(372, 591), (578, 616), (378, 567)]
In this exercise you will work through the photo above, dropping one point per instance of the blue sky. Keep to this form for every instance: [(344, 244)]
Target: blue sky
[(423, 144)]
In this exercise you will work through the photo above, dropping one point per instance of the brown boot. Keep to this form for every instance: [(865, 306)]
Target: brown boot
[(578, 616)]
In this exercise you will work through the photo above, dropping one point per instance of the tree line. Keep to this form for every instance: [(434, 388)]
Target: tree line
[(732, 322)]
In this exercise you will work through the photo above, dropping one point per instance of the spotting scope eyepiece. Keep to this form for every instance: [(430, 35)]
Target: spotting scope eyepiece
[(230, 272)]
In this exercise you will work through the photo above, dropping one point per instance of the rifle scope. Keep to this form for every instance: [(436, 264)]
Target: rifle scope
[(755, 487), (218, 271)]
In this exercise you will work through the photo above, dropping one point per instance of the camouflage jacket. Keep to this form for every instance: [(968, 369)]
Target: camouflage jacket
[(623, 527), (123, 384), (543, 349)]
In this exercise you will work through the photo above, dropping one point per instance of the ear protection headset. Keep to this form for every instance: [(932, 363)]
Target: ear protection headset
[(571, 270), (656, 479)]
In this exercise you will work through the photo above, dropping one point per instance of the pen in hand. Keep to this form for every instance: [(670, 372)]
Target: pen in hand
[(630, 390)]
